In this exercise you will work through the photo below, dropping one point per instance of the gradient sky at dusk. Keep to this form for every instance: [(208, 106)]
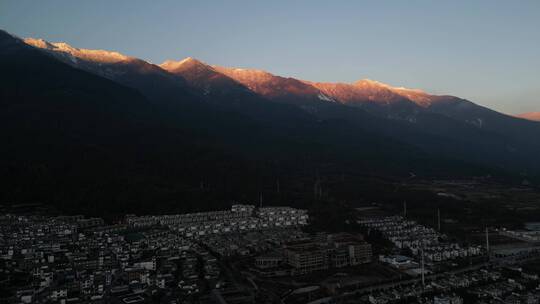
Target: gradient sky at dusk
[(485, 51)]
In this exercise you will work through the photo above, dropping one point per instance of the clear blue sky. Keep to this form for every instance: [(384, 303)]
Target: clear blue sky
[(485, 51)]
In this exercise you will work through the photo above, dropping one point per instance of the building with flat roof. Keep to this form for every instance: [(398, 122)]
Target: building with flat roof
[(307, 259)]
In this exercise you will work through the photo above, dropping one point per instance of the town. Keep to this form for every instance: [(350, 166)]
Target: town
[(250, 254), (269, 152)]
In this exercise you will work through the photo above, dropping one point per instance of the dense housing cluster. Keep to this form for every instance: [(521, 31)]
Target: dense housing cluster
[(72, 259), (417, 238), (239, 219), (265, 256)]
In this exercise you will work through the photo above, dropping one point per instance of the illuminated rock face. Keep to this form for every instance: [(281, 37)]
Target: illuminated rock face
[(534, 116), (271, 86), (361, 92), (204, 77), (216, 78)]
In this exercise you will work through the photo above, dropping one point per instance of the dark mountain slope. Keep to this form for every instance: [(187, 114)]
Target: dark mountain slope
[(90, 145), (405, 114), (526, 133), (93, 143)]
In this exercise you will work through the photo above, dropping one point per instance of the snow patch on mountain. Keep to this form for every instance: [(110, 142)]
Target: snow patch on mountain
[(73, 54), (325, 98)]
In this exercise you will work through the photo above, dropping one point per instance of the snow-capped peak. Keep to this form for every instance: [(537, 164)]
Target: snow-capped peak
[(371, 83), (244, 73), (186, 62), (419, 97), (100, 56)]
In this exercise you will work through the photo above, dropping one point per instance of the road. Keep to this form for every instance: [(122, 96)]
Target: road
[(418, 280)]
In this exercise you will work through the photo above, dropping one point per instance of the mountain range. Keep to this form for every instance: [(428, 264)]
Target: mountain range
[(85, 126)]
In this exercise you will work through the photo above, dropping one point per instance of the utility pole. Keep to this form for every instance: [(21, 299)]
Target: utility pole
[(317, 188), (439, 219), (423, 270), (260, 200), (404, 208), (487, 241)]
